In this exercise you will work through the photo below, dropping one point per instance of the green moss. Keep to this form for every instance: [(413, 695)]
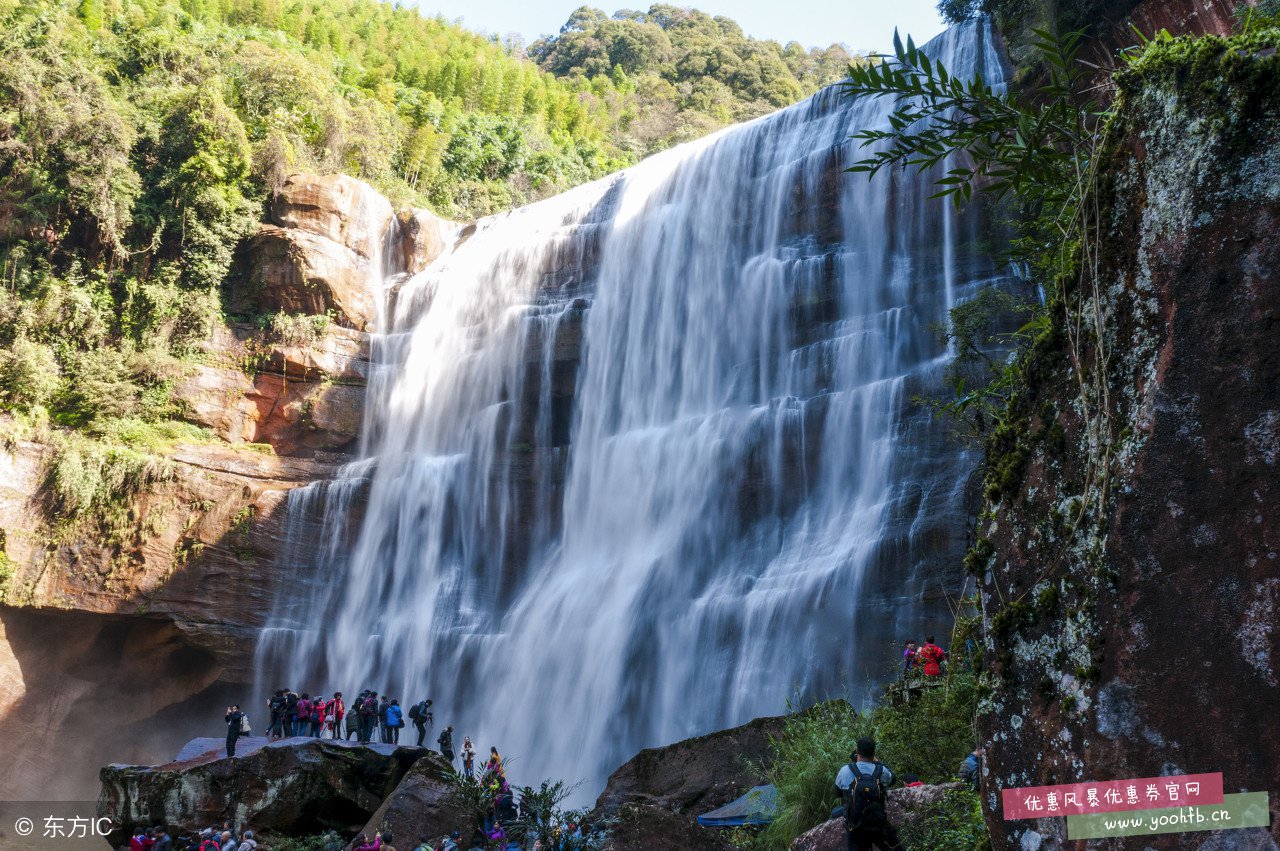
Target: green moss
[(978, 557), (1047, 601), (1010, 620)]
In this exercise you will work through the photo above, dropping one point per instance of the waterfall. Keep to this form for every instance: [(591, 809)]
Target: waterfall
[(646, 459)]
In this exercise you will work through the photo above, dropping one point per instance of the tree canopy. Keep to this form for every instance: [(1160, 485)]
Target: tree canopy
[(681, 72)]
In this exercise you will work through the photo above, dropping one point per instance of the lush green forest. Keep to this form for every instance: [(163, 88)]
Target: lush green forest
[(672, 74)]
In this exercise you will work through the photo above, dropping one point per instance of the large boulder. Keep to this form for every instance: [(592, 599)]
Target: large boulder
[(693, 776), (293, 787), (421, 805), (327, 242), (423, 236), (337, 207), (295, 271)]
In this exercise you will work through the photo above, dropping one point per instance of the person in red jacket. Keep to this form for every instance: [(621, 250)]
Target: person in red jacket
[(318, 709), (335, 712), (931, 657), (141, 841)]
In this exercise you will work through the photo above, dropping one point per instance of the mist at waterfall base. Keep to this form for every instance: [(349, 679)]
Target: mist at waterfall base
[(646, 459)]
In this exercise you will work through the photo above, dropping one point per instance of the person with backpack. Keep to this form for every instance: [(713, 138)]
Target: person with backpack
[(317, 716), (394, 720), (931, 657), (237, 726), (863, 785), (247, 842), (970, 769), (446, 743), (420, 715)]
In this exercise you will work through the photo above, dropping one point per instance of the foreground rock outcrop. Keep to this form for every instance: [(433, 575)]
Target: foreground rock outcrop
[(693, 776), (652, 801), (420, 805), (1131, 584), (291, 787)]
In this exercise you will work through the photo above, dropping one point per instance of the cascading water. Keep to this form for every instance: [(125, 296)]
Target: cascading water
[(642, 460)]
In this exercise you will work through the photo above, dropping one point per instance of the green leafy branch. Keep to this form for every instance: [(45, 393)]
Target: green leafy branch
[(1025, 146)]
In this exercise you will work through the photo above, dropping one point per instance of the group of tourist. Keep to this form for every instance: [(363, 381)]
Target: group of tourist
[(924, 660), (209, 839)]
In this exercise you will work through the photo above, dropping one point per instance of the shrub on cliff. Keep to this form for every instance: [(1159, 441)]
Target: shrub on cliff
[(805, 758), (29, 374), (929, 736)]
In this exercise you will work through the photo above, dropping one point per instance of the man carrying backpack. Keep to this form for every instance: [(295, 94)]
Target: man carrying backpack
[(420, 715), (863, 784)]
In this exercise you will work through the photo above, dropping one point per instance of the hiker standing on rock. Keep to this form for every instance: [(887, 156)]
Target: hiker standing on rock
[(468, 756), (420, 715), (383, 736), (337, 709), (446, 743), (237, 725), (908, 659), (290, 713), (863, 785), (395, 720), (275, 705)]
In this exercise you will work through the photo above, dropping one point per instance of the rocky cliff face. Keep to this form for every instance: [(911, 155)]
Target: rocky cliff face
[(148, 628), (1131, 585)]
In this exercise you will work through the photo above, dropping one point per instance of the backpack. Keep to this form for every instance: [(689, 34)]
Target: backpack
[(317, 712), (210, 845), (244, 725), (864, 800), (415, 711)]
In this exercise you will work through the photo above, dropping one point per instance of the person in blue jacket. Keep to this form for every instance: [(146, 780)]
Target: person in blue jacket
[(394, 721)]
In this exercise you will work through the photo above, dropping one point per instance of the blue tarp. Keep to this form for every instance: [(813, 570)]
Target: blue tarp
[(759, 806)]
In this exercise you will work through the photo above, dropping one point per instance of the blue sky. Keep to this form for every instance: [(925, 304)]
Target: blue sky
[(861, 24)]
